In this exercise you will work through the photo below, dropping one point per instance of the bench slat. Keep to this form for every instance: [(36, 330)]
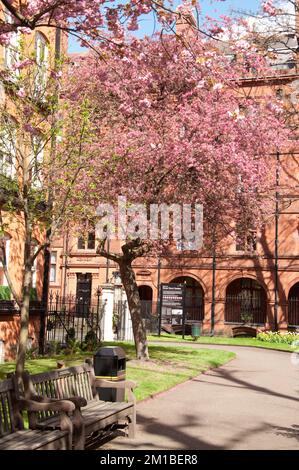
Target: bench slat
[(30, 439)]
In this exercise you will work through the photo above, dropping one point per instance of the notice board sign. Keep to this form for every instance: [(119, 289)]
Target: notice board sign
[(172, 303), (172, 295)]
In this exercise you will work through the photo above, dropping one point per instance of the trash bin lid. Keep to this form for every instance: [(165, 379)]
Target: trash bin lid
[(111, 351)]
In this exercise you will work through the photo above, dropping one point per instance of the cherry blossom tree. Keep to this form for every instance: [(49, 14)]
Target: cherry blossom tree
[(42, 152), (174, 126)]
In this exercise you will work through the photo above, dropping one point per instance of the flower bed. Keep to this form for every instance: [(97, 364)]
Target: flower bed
[(277, 337)]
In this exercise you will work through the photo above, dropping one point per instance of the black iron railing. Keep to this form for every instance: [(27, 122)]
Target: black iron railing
[(70, 317), (245, 310), (293, 311)]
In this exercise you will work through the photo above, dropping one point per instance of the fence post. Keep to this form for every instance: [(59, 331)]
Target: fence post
[(108, 298)]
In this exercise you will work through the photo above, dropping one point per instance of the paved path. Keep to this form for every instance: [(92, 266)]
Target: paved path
[(250, 403)]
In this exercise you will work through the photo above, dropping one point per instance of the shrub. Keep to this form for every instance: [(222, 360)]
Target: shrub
[(33, 293), (73, 347), (71, 335), (90, 341), (32, 352), (53, 348), (5, 293), (277, 337)]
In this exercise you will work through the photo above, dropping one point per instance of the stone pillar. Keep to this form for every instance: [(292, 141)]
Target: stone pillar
[(108, 299), (127, 319)]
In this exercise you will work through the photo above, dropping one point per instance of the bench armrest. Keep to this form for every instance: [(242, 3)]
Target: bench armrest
[(58, 405), (77, 401), (63, 407), (129, 384)]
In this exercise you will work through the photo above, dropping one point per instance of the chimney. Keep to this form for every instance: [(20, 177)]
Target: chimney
[(186, 22)]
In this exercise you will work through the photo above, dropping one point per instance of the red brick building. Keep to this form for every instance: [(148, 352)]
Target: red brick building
[(255, 281)]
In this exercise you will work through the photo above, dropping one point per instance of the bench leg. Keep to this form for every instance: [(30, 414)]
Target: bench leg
[(78, 430), (132, 425), (67, 425)]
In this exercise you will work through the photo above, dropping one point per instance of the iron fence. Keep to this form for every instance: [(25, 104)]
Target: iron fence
[(123, 328), (150, 312), (293, 311), (72, 318), (36, 307), (239, 309)]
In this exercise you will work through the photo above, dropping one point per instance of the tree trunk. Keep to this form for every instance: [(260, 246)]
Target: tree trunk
[(131, 288), (21, 356), (45, 294)]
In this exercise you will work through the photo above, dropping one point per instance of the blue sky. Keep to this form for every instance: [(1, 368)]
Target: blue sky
[(209, 7)]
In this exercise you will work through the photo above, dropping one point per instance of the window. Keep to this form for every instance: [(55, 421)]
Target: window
[(7, 149), (53, 266), (246, 242), (91, 241), (87, 243), (37, 160), (11, 52), (186, 245), (6, 238), (34, 247), (41, 55)]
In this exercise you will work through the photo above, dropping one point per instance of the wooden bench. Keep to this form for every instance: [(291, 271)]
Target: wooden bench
[(79, 385), (13, 436)]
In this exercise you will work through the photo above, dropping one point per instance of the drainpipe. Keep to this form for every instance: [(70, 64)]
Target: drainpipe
[(276, 302), (213, 292), (47, 254), (107, 262), (159, 311), (66, 250)]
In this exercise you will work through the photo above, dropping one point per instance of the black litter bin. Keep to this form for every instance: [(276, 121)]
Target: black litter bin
[(110, 364)]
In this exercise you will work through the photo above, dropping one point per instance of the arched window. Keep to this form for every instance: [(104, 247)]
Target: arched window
[(246, 302), (293, 305), (194, 299)]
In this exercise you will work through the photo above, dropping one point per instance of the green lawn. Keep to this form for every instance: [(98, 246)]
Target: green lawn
[(168, 365), (223, 340)]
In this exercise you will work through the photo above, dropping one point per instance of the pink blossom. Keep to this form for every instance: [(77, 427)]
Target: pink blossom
[(20, 65), (218, 86), (21, 93), (56, 74), (269, 8), (145, 103)]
